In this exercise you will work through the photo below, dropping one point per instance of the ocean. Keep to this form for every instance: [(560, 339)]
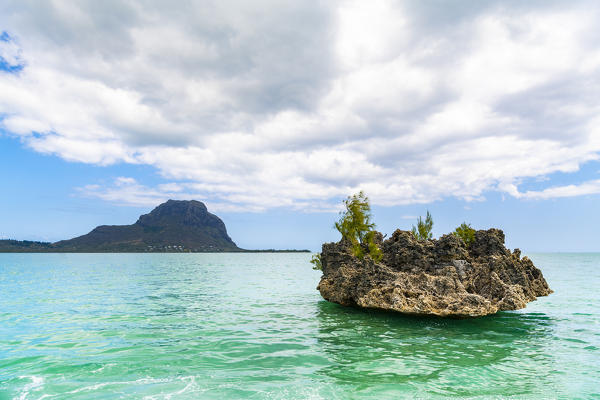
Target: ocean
[(253, 326)]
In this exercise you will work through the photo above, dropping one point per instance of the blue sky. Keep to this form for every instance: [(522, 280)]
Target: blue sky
[(272, 113)]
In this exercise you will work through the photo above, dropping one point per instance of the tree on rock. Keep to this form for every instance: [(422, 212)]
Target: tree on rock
[(356, 227), (423, 229)]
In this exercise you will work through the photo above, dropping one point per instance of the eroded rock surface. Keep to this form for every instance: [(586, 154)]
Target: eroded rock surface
[(434, 277)]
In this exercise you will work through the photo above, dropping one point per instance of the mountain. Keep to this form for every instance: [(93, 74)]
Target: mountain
[(172, 226)]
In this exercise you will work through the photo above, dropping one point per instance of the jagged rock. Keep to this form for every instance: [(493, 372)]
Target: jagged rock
[(440, 277)]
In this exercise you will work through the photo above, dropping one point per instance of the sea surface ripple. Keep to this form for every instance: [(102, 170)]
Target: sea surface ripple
[(228, 326)]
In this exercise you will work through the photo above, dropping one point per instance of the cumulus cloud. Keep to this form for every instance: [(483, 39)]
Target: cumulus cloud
[(294, 104)]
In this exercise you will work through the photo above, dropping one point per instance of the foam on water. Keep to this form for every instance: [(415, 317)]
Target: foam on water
[(213, 326), (36, 383)]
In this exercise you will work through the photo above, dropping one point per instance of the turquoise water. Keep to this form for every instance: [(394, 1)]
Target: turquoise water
[(224, 326)]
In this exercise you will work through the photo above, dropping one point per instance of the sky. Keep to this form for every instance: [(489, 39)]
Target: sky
[(272, 112)]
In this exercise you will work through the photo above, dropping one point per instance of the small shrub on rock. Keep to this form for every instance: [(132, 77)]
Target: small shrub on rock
[(466, 233), (316, 262)]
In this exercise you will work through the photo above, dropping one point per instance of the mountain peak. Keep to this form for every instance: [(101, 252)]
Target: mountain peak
[(188, 212)]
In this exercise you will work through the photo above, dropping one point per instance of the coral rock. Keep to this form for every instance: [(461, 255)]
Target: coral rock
[(433, 277)]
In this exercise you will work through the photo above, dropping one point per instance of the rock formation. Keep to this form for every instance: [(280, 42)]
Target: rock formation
[(440, 277)]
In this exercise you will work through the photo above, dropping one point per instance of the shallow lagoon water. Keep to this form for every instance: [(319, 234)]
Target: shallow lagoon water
[(215, 326)]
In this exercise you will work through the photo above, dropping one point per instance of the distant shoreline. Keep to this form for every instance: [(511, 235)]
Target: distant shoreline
[(27, 246)]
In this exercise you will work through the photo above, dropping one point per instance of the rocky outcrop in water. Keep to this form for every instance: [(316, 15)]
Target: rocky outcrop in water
[(440, 277)]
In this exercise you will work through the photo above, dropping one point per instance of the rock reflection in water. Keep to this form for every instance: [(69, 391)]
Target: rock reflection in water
[(504, 354)]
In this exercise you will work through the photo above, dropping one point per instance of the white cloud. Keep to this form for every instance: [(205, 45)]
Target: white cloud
[(127, 191), (582, 189), (292, 105), (10, 53)]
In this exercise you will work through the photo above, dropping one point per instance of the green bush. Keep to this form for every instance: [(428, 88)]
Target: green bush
[(466, 233), (423, 229), (316, 261), (356, 227)]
